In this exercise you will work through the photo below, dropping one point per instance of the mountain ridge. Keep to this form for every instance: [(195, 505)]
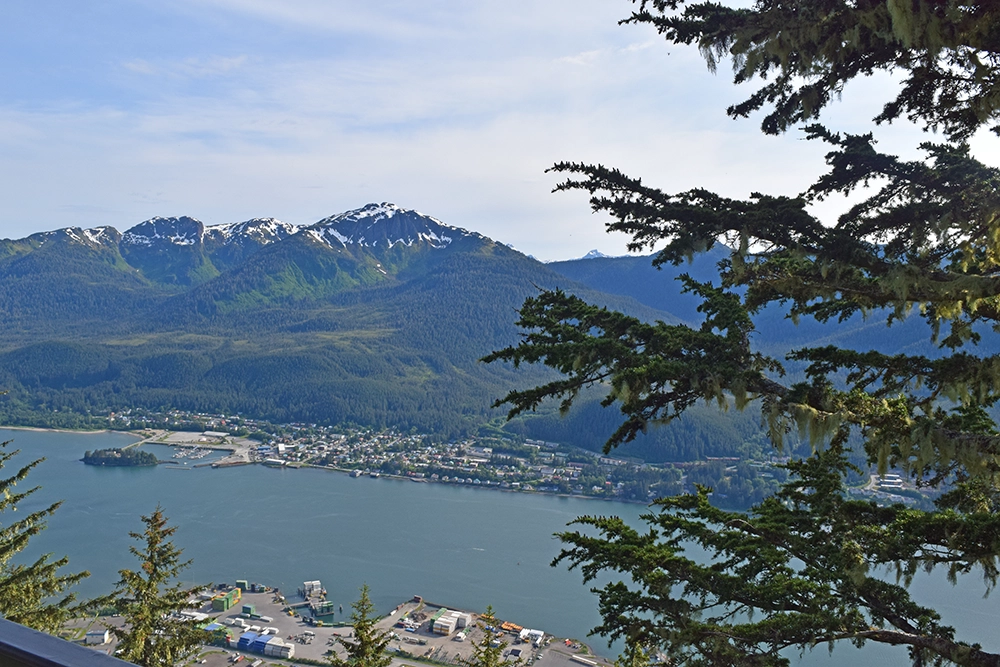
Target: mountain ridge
[(374, 316)]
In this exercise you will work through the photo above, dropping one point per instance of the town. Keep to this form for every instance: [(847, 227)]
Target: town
[(495, 461)]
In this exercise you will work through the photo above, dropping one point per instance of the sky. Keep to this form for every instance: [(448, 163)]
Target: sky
[(115, 111)]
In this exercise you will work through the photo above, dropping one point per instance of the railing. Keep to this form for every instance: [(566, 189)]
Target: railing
[(21, 646)]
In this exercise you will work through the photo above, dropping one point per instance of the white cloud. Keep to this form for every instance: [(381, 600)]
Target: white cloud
[(140, 67), (455, 109)]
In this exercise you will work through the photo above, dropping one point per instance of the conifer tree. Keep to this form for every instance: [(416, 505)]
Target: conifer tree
[(808, 566), (149, 598), (489, 650), (32, 594), (368, 645)]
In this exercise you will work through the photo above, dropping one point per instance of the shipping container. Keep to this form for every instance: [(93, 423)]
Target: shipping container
[(274, 647), (259, 643), (246, 640)]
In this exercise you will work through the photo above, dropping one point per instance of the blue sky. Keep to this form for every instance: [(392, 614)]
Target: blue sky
[(113, 111)]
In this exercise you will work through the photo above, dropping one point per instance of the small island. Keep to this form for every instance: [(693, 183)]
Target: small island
[(119, 457)]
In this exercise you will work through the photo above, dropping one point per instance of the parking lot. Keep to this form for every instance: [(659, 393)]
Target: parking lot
[(415, 643)]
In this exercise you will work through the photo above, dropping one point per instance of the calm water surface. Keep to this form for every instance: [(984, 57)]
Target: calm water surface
[(459, 546)]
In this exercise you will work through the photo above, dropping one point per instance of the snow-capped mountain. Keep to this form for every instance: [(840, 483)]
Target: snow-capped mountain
[(378, 315), (182, 231), (186, 231), (184, 251), (385, 225), (98, 237), (259, 231)]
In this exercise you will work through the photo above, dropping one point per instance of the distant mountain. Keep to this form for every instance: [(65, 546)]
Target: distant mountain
[(635, 276), (375, 316), (233, 243), (382, 226), (659, 288)]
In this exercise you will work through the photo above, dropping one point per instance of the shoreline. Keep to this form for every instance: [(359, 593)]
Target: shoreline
[(142, 439), (43, 429), (403, 478)]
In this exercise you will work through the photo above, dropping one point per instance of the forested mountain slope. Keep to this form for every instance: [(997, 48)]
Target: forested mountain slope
[(376, 316)]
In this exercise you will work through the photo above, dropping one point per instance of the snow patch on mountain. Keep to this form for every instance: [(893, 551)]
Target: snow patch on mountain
[(106, 236), (101, 235), (327, 237), (386, 225), (182, 231), (377, 211), (263, 231)]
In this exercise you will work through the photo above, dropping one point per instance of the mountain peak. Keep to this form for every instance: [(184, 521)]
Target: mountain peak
[(260, 231), (385, 225), (381, 211), (181, 231), (595, 254)]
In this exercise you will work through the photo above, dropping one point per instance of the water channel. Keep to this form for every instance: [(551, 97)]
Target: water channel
[(460, 546)]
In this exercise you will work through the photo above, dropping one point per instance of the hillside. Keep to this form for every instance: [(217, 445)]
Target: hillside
[(658, 288), (376, 316)]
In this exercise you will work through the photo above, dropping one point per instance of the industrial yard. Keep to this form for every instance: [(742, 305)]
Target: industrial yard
[(263, 626)]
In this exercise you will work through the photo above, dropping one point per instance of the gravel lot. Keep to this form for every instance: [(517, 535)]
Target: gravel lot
[(412, 648)]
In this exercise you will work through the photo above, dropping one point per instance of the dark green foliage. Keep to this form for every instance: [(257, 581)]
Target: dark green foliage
[(945, 51), (148, 598), (654, 371), (489, 650), (922, 247), (32, 594), (119, 457), (655, 286), (298, 331), (179, 264), (367, 647), (751, 585)]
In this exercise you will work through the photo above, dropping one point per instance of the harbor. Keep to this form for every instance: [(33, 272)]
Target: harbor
[(454, 544), (258, 624)]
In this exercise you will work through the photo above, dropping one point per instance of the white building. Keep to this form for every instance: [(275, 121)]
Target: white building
[(97, 636)]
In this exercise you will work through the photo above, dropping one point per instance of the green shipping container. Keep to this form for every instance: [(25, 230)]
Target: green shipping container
[(222, 604), (249, 609)]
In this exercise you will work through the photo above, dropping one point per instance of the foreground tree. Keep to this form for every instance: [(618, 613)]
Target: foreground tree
[(808, 566), (32, 594), (489, 650), (368, 645), (149, 599)]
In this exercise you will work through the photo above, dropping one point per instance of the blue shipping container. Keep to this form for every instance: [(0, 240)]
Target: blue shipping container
[(259, 643)]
